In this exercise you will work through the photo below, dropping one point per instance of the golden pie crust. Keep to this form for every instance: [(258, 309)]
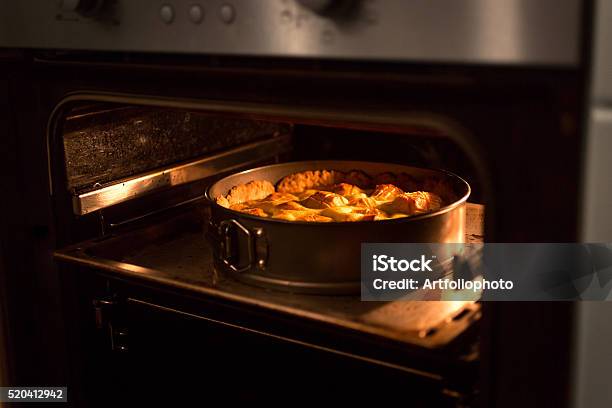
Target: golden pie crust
[(334, 196)]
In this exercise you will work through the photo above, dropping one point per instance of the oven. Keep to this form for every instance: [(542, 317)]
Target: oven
[(141, 267), (120, 121)]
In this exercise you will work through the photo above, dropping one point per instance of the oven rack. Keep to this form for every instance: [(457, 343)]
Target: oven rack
[(175, 175)]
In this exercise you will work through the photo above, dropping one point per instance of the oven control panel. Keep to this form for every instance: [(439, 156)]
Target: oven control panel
[(543, 32)]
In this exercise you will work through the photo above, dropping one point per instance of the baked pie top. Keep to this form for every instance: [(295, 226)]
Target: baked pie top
[(329, 195)]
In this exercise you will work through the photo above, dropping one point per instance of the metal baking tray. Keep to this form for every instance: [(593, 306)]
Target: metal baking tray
[(175, 253)]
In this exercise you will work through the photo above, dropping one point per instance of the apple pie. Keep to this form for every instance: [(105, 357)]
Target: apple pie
[(334, 196)]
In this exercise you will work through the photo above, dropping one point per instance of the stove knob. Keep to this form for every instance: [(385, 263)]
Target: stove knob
[(86, 8)]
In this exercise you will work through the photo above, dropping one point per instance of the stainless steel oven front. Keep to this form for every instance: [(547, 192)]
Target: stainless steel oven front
[(122, 114)]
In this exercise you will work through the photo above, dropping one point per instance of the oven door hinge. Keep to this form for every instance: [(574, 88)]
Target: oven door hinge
[(103, 226), (109, 322)]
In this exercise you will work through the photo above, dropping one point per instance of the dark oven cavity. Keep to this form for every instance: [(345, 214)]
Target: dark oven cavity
[(129, 182)]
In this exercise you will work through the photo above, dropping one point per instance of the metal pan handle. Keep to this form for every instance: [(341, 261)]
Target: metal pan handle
[(226, 248)]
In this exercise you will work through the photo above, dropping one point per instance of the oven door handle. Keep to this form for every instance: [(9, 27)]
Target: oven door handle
[(226, 245)]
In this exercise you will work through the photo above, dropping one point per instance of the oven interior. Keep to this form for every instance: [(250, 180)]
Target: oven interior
[(128, 180)]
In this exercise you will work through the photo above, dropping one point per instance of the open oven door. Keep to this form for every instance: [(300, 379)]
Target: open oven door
[(142, 344)]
